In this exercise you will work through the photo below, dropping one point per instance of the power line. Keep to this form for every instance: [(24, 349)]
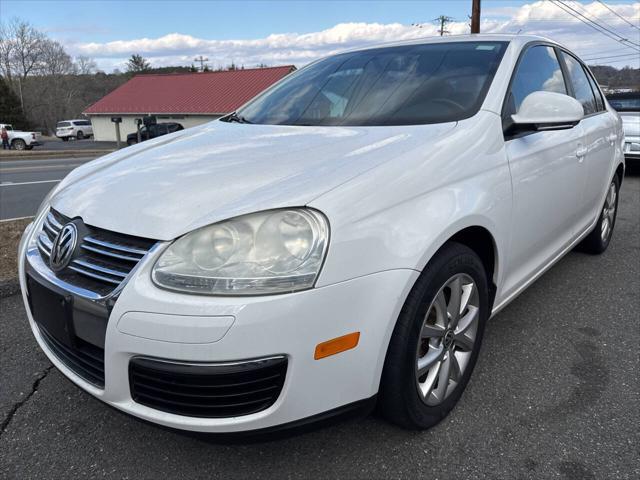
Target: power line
[(597, 23), (578, 7), (617, 14), (612, 56), (596, 26), (593, 23)]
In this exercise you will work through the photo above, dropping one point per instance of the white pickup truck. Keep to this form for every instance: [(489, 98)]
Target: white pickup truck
[(21, 140)]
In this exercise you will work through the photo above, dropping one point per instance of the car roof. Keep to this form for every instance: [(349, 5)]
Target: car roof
[(516, 40)]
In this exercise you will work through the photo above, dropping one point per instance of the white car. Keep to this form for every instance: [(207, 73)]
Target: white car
[(341, 239), (19, 140), (77, 129)]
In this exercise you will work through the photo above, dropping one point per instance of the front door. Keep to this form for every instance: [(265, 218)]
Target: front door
[(545, 174)]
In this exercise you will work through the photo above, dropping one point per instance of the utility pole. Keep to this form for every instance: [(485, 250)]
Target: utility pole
[(201, 60), (443, 20), (475, 16)]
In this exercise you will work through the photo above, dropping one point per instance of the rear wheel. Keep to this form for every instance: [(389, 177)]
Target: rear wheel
[(600, 237), (18, 144), (436, 341), (79, 135)]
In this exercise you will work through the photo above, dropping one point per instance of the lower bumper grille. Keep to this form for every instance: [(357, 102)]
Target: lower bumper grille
[(84, 359), (205, 390)]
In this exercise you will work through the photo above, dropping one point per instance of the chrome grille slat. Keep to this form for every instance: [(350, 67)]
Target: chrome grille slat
[(102, 260), (53, 222), (94, 275), (50, 229), (98, 268), (109, 254), (45, 242), (115, 246)]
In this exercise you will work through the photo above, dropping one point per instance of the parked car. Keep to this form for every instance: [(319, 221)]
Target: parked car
[(627, 104), (341, 239), (21, 140), (153, 131), (77, 129)]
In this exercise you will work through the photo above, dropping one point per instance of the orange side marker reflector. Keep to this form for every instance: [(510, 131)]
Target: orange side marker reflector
[(337, 345)]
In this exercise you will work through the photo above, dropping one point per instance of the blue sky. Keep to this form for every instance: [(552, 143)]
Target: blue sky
[(277, 32)]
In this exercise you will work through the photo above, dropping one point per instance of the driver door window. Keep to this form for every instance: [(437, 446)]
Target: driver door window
[(538, 70)]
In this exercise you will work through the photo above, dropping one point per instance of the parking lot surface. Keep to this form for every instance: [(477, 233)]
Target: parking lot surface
[(555, 394)]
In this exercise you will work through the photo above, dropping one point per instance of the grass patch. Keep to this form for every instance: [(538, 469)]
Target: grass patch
[(10, 233)]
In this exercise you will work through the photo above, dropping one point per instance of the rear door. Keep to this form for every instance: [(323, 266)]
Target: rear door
[(597, 142), (544, 171)]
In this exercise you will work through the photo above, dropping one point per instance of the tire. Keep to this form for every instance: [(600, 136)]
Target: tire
[(419, 400), (79, 135), (65, 139), (598, 240), (18, 144)]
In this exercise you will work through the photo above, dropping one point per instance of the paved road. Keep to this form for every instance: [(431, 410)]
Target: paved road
[(555, 394), (24, 183)]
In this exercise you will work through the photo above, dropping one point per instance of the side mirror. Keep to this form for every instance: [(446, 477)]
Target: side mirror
[(548, 111)]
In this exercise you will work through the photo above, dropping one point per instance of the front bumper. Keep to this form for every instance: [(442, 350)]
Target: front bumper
[(631, 147), (146, 321)]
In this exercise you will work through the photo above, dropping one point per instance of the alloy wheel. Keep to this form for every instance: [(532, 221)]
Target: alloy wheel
[(608, 212), (447, 339)]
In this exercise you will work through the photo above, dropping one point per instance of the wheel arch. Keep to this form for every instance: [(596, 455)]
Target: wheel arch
[(477, 234), (620, 172)]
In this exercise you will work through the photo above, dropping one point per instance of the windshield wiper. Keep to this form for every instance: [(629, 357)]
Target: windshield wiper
[(234, 117)]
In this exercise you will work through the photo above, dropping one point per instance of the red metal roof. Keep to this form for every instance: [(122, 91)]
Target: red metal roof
[(198, 93)]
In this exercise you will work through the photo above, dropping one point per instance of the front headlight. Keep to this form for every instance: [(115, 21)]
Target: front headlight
[(276, 251)]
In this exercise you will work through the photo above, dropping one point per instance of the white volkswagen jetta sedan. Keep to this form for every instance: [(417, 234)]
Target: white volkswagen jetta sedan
[(341, 239)]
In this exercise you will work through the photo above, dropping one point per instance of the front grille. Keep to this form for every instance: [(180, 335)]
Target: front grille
[(86, 360), (208, 391), (102, 260)]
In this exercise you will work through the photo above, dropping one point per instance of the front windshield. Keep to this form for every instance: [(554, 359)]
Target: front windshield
[(405, 85)]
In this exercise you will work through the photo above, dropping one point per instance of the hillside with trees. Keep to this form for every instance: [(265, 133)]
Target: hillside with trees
[(41, 84)]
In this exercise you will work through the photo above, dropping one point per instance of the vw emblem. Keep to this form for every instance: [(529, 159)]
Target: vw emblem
[(63, 247)]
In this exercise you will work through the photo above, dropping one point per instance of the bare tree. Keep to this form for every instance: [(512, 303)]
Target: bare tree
[(85, 65)]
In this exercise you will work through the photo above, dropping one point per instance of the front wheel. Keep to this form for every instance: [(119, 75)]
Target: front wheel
[(436, 341), (600, 237)]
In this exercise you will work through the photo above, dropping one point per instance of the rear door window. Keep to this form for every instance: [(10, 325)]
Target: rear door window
[(581, 86)]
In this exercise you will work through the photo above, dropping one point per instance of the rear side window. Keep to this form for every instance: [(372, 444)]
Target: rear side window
[(538, 70), (596, 92), (581, 87)]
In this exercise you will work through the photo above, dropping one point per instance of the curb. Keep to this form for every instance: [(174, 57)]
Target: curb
[(47, 154), (9, 287)]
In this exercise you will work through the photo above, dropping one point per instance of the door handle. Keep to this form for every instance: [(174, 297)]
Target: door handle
[(581, 152)]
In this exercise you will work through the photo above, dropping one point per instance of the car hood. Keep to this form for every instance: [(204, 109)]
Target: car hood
[(173, 184)]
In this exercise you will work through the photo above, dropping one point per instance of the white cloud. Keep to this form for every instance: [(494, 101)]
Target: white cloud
[(542, 17)]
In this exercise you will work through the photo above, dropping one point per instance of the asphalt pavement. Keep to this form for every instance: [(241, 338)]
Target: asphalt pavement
[(555, 395), (25, 183)]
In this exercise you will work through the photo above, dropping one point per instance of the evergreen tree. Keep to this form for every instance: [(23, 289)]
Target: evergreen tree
[(10, 110)]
